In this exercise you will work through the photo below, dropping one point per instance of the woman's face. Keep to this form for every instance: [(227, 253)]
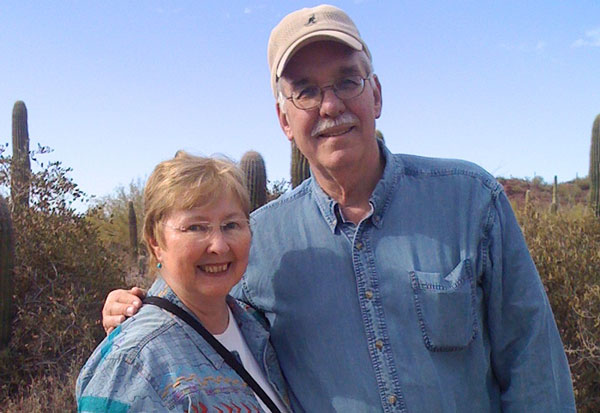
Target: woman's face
[(205, 250)]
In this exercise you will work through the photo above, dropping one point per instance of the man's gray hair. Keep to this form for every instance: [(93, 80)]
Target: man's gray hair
[(280, 98)]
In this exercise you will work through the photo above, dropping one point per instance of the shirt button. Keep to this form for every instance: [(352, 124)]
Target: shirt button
[(369, 294), (376, 219), (379, 344), (392, 399), (359, 245)]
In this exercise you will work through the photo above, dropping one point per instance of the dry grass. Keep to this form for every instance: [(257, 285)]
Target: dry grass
[(47, 393)]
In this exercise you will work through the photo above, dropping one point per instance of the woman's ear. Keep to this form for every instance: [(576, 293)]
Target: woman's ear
[(156, 249)]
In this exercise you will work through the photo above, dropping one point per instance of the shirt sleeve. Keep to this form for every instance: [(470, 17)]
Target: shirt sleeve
[(528, 357), (117, 387)]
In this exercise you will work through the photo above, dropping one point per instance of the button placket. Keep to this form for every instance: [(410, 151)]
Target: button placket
[(375, 327)]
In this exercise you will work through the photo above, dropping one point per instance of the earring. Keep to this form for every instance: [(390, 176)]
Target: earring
[(159, 265)]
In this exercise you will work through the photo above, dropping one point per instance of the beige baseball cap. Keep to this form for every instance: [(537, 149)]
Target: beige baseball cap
[(305, 26)]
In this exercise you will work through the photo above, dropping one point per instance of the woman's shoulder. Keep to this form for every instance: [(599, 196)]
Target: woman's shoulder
[(118, 363), (141, 333), (157, 355)]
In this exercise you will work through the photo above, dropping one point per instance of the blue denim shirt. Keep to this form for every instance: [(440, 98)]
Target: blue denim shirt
[(156, 362), (430, 304)]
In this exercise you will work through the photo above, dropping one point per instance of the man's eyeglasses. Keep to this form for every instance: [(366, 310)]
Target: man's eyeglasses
[(231, 229), (309, 97)]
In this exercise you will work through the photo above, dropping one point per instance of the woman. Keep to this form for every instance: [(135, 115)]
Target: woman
[(197, 234)]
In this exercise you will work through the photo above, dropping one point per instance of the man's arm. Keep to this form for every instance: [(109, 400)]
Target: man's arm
[(528, 357), (119, 305)]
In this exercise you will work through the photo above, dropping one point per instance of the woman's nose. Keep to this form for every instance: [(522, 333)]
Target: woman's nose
[(217, 243)]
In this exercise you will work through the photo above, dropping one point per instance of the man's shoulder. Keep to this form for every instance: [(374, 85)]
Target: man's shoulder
[(287, 202), (424, 167)]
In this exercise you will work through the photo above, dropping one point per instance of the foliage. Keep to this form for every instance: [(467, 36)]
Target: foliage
[(595, 167), (569, 194), (49, 393), (62, 275), (111, 216), (276, 189), (566, 249)]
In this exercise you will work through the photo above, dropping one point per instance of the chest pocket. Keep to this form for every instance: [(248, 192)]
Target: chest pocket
[(445, 305)]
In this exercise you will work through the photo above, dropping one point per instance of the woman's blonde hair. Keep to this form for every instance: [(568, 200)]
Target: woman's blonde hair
[(184, 182)]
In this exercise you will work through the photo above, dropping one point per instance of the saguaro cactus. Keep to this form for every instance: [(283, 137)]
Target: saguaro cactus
[(133, 239), (554, 204), (253, 166), (300, 169), (7, 259), (527, 200), (595, 168), (20, 168)]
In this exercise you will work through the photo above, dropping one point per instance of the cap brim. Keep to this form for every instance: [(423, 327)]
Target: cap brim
[(313, 37)]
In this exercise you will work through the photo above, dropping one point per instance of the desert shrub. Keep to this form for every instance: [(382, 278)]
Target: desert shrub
[(49, 393), (111, 215), (566, 250), (62, 275), (582, 183)]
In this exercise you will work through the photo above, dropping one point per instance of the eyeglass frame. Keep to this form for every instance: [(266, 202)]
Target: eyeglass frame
[(185, 229), (332, 87)]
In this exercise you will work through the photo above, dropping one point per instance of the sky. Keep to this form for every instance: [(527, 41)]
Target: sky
[(114, 87)]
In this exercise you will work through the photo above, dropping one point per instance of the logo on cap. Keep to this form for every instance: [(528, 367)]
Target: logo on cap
[(311, 20)]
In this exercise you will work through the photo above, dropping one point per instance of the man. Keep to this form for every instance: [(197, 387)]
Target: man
[(391, 283)]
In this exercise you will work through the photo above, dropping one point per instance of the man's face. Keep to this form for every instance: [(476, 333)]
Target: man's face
[(331, 146)]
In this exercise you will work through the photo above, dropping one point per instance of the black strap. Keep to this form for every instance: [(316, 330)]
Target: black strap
[(226, 354)]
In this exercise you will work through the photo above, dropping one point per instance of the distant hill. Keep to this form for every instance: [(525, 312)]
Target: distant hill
[(569, 193)]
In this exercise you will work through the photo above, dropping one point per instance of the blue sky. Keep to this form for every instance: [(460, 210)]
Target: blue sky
[(114, 87)]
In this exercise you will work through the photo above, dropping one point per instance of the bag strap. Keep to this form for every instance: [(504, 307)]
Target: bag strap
[(215, 344)]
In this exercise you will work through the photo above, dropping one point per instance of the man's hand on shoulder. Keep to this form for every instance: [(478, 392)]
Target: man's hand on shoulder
[(119, 305)]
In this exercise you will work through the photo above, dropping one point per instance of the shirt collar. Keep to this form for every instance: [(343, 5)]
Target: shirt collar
[(386, 188), (380, 198)]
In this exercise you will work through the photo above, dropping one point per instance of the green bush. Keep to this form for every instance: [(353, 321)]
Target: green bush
[(566, 249), (62, 275)]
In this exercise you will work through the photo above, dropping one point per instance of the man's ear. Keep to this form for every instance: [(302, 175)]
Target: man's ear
[(377, 96), (284, 123)]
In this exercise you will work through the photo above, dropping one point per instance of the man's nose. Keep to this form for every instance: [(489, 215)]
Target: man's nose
[(331, 105)]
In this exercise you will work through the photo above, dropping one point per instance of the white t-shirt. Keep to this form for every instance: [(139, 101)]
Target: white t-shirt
[(233, 340)]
